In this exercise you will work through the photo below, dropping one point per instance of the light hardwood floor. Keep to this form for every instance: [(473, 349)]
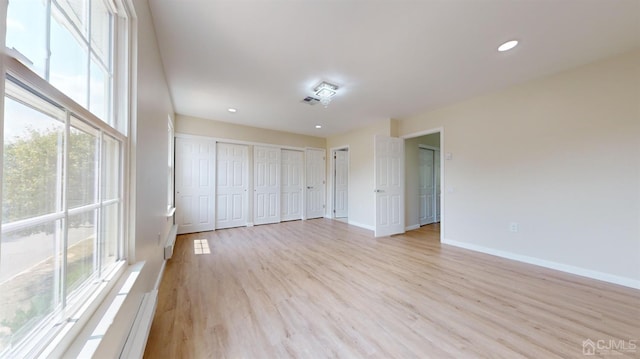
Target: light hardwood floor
[(322, 288)]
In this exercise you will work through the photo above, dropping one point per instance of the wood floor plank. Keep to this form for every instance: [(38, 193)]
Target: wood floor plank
[(324, 289)]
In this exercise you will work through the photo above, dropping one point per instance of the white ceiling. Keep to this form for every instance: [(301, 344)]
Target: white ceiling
[(391, 59)]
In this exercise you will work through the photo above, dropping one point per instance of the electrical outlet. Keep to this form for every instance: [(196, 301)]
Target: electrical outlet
[(513, 227)]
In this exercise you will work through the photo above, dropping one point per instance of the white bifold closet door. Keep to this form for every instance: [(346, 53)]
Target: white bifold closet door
[(341, 183), (195, 184), (232, 185), (266, 185), (315, 182), (292, 163)]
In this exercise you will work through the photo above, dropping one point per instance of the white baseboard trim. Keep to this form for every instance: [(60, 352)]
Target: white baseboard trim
[(156, 286), (365, 226), (137, 339), (588, 273), (412, 227)]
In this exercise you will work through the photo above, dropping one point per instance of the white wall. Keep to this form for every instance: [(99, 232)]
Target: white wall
[(211, 128), (361, 199), (560, 156), (154, 105)]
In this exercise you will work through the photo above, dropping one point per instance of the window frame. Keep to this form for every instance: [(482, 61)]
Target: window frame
[(46, 340)]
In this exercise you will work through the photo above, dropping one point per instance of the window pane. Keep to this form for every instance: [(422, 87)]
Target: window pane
[(111, 168), (32, 163), (26, 31), (29, 271), (82, 165), (69, 60), (76, 10), (110, 234), (101, 31), (99, 100), (81, 249)]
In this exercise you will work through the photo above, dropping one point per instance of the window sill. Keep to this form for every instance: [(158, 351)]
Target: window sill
[(72, 326)]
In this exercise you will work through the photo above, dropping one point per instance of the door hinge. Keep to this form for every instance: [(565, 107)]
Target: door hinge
[(323, 206)]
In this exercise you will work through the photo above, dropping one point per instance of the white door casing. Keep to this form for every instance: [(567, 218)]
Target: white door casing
[(315, 183), (232, 185), (389, 185), (266, 185), (195, 184), (426, 189), (341, 183), (292, 164), (436, 158)]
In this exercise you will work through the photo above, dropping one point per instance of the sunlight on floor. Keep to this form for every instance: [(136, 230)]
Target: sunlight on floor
[(201, 246)]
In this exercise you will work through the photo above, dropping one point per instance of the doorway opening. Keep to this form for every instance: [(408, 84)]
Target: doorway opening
[(428, 184), (340, 184), (424, 176)]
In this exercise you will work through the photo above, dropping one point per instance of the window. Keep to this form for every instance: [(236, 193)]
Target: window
[(63, 155), (69, 43)]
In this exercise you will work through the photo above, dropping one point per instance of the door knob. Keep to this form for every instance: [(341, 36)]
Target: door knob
[(309, 187)]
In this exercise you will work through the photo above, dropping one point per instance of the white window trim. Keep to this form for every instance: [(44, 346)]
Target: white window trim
[(19, 71), (53, 343), (75, 313)]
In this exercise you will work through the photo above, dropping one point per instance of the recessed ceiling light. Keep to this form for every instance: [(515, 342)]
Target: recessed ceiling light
[(232, 110), (318, 126), (508, 45)]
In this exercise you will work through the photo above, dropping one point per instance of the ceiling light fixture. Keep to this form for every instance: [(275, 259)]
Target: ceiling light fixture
[(232, 110), (318, 126), (325, 91), (508, 45)]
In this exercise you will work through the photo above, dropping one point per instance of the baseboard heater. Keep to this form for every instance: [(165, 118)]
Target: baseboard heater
[(171, 241), (139, 333)]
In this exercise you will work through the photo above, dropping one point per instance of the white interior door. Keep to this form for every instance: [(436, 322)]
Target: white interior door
[(436, 166), (315, 183), (341, 183), (291, 189), (266, 185), (232, 185), (426, 189), (389, 182), (195, 184)]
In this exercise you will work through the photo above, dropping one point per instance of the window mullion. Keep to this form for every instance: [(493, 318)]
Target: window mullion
[(47, 62), (65, 237), (76, 29), (99, 238), (89, 51)]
